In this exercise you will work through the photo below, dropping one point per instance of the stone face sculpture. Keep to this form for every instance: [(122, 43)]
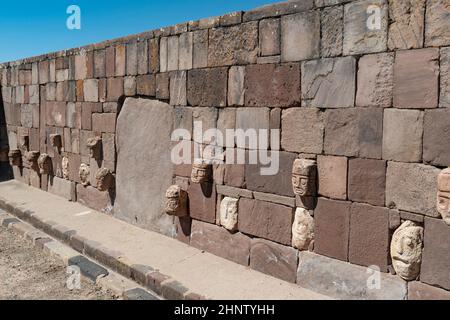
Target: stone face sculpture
[(229, 213), (104, 179), (304, 172), (406, 250), (176, 201), (84, 174), (443, 196), (45, 164), (56, 141), (24, 143), (31, 158), (201, 172), (15, 158), (65, 167), (95, 147), (302, 229)]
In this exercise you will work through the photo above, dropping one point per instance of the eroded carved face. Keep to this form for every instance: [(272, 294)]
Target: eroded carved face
[(302, 229), (175, 204), (95, 147), (84, 174), (56, 141), (229, 213), (24, 143), (31, 158), (15, 158), (45, 164), (65, 167), (443, 196), (200, 172), (304, 177), (104, 179), (406, 250)]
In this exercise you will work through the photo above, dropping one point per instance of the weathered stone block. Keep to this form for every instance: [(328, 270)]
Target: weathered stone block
[(332, 174), (252, 119), (202, 202), (114, 89), (99, 63), (375, 80), (266, 220), (420, 291), (329, 83), (406, 24), (62, 187), (274, 259), (437, 29), (269, 37), (120, 60), (131, 58), (332, 31), (90, 89), (402, 135), (200, 49), (153, 52), (207, 87), (270, 85), (365, 26), (145, 85), (218, 241), (367, 181), (412, 187), (236, 91), (172, 53), (104, 122), (56, 113), (178, 88), (277, 9), (87, 108), (436, 134), (444, 100), (93, 198), (185, 43), (300, 36), (162, 86), (331, 228), (129, 86), (416, 74)]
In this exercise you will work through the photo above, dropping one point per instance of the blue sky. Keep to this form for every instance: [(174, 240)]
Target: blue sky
[(29, 28)]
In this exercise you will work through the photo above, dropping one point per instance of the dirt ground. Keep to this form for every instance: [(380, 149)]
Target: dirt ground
[(28, 273)]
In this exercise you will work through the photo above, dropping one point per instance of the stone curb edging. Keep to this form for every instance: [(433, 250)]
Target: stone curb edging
[(145, 276)]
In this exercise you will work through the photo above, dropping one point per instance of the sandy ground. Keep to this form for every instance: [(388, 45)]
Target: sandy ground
[(28, 273)]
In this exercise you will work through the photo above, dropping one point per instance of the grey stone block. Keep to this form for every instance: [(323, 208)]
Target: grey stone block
[(88, 268), (138, 294)]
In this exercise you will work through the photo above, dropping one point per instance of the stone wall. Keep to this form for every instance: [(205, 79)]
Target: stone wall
[(371, 106)]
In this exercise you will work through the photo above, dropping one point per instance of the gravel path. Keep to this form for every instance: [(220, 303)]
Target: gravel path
[(28, 273)]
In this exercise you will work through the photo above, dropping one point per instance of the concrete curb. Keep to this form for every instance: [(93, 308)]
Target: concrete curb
[(146, 276)]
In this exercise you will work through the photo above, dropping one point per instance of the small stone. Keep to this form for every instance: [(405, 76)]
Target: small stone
[(302, 229), (229, 213)]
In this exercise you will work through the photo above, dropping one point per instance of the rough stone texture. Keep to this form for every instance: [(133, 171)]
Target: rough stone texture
[(437, 29), (114, 89), (436, 134), (202, 202), (269, 37), (132, 58), (274, 259), (277, 9), (93, 198), (329, 83), (56, 113), (367, 181), (229, 213), (61, 187), (369, 236), (332, 31), (375, 80), (332, 176), (104, 122), (343, 280), (358, 38), (436, 253), (233, 45), (90, 89), (185, 43), (236, 91), (120, 67), (172, 53), (252, 119), (207, 87), (302, 229), (302, 130), (300, 36), (200, 49), (402, 135), (266, 220), (218, 241), (406, 24), (420, 291), (412, 187), (162, 86), (178, 88), (416, 76), (444, 100), (153, 59), (354, 132), (270, 85), (139, 191), (332, 223)]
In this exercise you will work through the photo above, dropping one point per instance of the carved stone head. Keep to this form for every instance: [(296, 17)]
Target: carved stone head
[(65, 167), (302, 229), (406, 250), (176, 201), (95, 147), (24, 142), (229, 213), (15, 158), (45, 164), (31, 158), (304, 173), (201, 172), (56, 141), (84, 174), (443, 196), (104, 179)]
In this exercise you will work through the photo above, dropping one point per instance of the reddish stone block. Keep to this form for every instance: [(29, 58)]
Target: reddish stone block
[(114, 89), (87, 109), (274, 259), (100, 63), (436, 134), (332, 175), (93, 198), (420, 291), (331, 228), (120, 65), (56, 114), (202, 202), (183, 227), (146, 85), (207, 87), (270, 85), (266, 220), (367, 181), (110, 60), (153, 59), (234, 175), (74, 167), (104, 122)]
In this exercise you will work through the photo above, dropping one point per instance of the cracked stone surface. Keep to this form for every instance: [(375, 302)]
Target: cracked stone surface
[(332, 31), (407, 23), (437, 29)]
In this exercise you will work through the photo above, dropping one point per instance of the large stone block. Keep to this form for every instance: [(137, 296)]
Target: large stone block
[(62, 187), (412, 187), (114, 89), (90, 90), (185, 45), (93, 198), (437, 29), (110, 60), (120, 60), (332, 175), (178, 88), (200, 49), (139, 192), (375, 80), (153, 55), (146, 85), (436, 253), (202, 201), (329, 83), (172, 53), (416, 78), (421, 291), (369, 236), (132, 58), (444, 100), (269, 37), (300, 36), (332, 31), (342, 280), (274, 259), (270, 85), (56, 113), (406, 24), (354, 132), (207, 87), (222, 243), (266, 220), (253, 119), (402, 135), (367, 181), (365, 26), (436, 135), (236, 77), (104, 122), (302, 130)]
